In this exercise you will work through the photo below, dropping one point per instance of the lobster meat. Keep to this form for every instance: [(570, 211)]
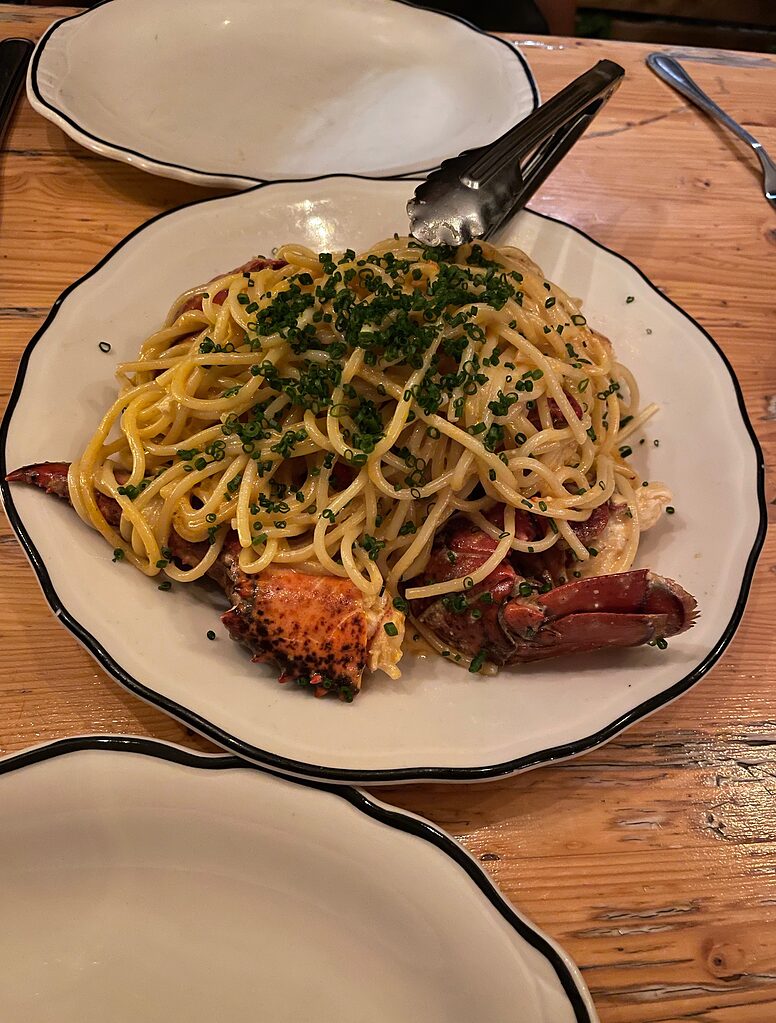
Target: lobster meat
[(322, 631), (253, 265), (528, 610)]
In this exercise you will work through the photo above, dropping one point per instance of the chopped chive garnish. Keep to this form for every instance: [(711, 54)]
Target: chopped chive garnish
[(477, 663)]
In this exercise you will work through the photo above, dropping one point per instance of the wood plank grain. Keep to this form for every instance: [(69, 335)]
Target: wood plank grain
[(653, 859)]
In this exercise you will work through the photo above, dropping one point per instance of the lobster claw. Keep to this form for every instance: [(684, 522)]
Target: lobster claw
[(48, 476), (511, 621), (626, 609)]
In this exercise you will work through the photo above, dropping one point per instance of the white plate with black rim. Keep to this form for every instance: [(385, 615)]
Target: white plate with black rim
[(232, 92), (438, 721), (147, 882)]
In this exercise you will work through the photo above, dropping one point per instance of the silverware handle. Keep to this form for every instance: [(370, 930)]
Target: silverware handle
[(581, 99), (672, 72), (14, 57)]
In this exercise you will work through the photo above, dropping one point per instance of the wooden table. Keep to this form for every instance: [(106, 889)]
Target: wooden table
[(652, 860)]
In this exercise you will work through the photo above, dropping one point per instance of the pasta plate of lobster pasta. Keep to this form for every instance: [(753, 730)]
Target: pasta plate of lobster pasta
[(454, 483)]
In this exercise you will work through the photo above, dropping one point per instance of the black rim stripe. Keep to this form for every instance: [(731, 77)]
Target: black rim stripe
[(392, 775), (119, 149), (390, 817)]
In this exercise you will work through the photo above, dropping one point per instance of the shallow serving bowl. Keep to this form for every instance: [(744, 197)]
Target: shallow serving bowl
[(437, 721), (237, 91), (142, 881)]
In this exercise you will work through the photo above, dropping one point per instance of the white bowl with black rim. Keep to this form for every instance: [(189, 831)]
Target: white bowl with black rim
[(142, 881), (437, 721), (232, 92)]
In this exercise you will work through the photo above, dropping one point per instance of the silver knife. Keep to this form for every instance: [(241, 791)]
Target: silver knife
[(14, 57), (672, 72)]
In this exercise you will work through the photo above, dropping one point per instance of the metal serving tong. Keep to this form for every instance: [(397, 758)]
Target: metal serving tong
[(471, 195)]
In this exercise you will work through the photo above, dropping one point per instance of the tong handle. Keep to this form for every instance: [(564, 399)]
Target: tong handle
[(471, 195), (582, 98), (549, 153)]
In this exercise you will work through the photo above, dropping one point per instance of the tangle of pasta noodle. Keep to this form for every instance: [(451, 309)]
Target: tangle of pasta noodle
[(337, 410)]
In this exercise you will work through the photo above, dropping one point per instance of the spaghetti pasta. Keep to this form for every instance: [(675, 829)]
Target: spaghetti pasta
[(337, 410)]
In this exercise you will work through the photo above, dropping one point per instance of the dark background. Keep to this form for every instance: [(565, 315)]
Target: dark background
[(733, 24), (730, 24)]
